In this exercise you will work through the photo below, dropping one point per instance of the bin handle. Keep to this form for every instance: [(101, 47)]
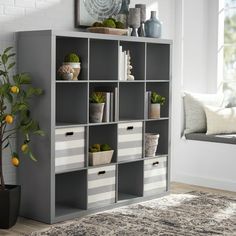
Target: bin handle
[(130, 127), (156, 163), (69, 133), (101, 172)]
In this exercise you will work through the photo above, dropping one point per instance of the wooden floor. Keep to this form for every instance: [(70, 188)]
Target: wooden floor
[(25, 226)]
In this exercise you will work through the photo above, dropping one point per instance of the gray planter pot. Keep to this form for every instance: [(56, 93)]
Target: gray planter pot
[(96, 112), (155, 111), (151, 143)]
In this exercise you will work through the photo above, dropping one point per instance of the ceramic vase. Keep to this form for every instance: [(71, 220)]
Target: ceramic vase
[(76, 67), (151, 143), (134, 20), (153, 26), (96, 112), (141, 29), (154, 111)]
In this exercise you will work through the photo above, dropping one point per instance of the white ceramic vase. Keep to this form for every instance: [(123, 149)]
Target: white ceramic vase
[(154, 111), (96, 112), (76, 67)]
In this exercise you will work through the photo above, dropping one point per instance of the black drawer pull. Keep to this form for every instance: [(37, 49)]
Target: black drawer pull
[(130, 127), (69, 133), (101, 172), (156, 163)]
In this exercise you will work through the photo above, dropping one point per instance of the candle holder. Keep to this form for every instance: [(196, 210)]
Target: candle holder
[(134, 20), (141, 29)]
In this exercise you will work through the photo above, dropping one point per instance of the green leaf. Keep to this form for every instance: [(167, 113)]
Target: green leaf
[(32, 156), (39, 132), (7, 49), (9, 97), (11, 65), (24, 79), (11, 55), (33, 91), (4, 58)]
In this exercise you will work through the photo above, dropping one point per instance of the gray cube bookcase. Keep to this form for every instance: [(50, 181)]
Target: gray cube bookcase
[(62, 185)]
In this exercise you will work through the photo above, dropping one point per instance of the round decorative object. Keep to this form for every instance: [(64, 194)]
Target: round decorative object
[(102, 9)]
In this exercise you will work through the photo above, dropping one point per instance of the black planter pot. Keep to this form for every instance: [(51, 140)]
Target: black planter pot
[(9, 206)]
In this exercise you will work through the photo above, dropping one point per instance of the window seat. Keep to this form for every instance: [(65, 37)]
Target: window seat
[(218, 138)]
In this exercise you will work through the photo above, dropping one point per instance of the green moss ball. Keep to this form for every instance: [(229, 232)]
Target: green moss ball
[(72, 57), (109, 23)]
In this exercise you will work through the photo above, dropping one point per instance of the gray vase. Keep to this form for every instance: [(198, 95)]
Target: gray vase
[(96, 112), (141, 29), (153, 26)]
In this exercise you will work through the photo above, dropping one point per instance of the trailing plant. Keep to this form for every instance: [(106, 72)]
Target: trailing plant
[(100, 148), (97, 97), (156, 98), (72, 57), (15, 95)]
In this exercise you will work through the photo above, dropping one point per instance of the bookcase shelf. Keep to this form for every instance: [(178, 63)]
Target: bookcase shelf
[(67, 186)]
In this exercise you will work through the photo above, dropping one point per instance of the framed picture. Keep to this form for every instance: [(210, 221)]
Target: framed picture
[(89, 11)]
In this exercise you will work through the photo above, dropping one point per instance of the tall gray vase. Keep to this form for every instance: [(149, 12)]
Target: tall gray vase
[(153, 26), (141, 29)]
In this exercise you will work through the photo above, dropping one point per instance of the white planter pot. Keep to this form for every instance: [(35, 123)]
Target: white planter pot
[(76, 67), (96, 112), (151, 143), (155, 111), (100, 158)]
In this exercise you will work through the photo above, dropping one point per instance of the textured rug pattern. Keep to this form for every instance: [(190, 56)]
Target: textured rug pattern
[(195, 213)]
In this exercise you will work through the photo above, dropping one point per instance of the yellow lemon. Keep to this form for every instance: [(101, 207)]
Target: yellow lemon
[(9, 119), (15, 161), (24, 148), (15, 89)]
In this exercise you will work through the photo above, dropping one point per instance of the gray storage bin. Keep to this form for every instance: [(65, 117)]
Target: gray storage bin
[(130, 141), (101, 186), (69, 149), (155, 176)]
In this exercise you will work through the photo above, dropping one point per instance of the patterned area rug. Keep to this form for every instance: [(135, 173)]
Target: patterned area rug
[(195, 213)]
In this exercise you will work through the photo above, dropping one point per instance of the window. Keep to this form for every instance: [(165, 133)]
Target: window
[(230, 40)]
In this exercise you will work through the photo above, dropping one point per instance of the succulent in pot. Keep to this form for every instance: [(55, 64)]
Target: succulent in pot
[(155, 107), (65, 72), (73, 60), (100, 154), (96, 107)]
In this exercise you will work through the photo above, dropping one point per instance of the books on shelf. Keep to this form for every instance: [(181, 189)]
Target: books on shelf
[(110, 112), (147, 103), (123, 64)]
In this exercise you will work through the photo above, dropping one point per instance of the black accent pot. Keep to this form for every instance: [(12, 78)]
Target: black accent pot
[(9, 206)]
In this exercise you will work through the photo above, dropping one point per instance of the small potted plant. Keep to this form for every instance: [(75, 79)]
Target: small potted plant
[(96, 107), (100, 154), (65, 72), (156, 102), (73, 60)]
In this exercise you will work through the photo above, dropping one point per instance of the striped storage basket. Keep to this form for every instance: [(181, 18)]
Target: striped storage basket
[(101, 186), (130, 141), (69, 149), (155, 176)]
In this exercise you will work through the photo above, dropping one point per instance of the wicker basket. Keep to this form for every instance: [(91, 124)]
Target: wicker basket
[(100, 158)]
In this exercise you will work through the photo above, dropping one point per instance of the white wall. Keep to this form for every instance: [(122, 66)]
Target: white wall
[(194, 162), (21, 15)]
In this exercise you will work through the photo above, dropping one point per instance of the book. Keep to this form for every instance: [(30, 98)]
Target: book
[(121, 63), (106, 111), (116, 105), (112, 105), (125, 65), (147, 103)]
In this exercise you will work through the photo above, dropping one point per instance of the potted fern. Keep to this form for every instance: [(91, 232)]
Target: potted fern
[(16, 94), (155, 107), (73, 60), (96, 107)]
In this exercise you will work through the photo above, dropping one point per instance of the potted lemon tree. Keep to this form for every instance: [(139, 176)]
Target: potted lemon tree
[(16, 94)]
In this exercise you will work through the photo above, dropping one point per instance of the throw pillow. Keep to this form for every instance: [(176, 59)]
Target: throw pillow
[(220, 120), (195, 117)]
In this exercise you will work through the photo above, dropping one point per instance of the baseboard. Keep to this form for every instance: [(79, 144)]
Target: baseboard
[(206, 182)]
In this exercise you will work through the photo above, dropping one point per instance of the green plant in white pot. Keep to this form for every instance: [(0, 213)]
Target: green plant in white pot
[(155, 107), (73, 60), (96, 107)]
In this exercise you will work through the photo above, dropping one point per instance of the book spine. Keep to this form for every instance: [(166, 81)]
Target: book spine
[(106, 113), (111, 106), (125, 65), (116, 105), (121, 63)]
